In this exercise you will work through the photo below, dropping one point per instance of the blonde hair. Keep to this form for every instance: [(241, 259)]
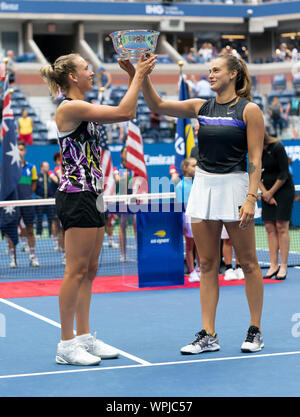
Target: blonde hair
[(243, 82), (56, 75)]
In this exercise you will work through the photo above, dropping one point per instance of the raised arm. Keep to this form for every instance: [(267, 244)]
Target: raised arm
[(75, 111), (181, 109)]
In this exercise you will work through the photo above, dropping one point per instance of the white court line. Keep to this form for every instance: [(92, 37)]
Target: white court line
[(229, 358), (54, 323)]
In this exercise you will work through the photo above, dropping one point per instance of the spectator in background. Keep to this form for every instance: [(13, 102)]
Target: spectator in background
[(295, 54), (104, 83), (283, 53), (45, 189), (203, 87), (189, 55), (182, 190), (276, 112), (10, 66), (292, 114), (278, 193), (206, 51), (26, 187), (190, 82), (52, 129), (25, 128)]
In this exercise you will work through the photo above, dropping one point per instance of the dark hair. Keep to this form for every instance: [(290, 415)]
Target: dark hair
[(20, 142), (268, 139), (56, 155), (243, 82)]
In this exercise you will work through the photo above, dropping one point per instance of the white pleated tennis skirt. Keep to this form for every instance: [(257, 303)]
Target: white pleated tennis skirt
[(217, 196)]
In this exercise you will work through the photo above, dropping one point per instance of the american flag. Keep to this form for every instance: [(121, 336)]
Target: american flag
[(109, 186), (135, 158)]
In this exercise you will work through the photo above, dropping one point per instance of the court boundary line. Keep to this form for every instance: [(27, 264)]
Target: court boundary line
[(56, 324), (149, 365)]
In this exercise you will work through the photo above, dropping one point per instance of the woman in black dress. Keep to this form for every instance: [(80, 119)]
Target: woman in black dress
[(278, 192)]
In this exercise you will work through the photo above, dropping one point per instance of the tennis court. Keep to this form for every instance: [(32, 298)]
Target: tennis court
[(149, 327)]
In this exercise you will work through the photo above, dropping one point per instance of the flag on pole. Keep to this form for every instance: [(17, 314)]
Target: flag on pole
[(11, 170), (184, 138), (109, 186), (135, 158)]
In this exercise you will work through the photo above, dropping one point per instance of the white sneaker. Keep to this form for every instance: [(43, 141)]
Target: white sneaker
[(194, 277), (122, 258), (34, 261), (239, 273), (96, 347), (75, 354), (229, 274), (113, 244)]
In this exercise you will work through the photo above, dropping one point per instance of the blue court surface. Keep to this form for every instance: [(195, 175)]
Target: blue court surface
[(149, 327)]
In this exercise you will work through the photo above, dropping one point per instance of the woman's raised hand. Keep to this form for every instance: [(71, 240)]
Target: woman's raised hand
[(127, 66), (146, 64)]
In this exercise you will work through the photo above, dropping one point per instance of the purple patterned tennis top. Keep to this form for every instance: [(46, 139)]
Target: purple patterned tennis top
[(81, 152)]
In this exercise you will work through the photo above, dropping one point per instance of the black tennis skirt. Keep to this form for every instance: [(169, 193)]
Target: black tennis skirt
[(83, 209)]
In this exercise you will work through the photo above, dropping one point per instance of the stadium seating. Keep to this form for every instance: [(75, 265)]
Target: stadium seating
[(279, 82), (26, 57), (19, 102), (296, 81)]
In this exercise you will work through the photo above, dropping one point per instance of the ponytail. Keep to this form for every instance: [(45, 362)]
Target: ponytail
[(243, 82), (56, 75)]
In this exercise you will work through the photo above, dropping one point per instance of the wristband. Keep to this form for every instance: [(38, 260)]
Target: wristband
[(252, 195)]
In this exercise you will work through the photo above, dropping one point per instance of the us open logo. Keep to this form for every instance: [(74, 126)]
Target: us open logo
[(160, 237)]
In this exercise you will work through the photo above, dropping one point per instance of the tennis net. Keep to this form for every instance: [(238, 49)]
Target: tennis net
[(120, 214)]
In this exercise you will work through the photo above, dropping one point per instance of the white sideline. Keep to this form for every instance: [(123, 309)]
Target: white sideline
[(229, 358), (54, 323)]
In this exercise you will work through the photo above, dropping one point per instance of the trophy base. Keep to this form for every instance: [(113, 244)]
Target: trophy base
[(134, 56)]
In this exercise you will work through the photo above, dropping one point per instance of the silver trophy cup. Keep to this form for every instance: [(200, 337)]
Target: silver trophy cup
[(131, 44)]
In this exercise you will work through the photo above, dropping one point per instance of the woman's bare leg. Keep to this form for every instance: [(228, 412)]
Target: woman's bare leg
[(80, 245), (243, 242), (273, 246), (85, 291), (207, 235)]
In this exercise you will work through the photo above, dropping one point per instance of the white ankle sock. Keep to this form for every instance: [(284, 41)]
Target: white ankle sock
[(83, 337), (68, 342)]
